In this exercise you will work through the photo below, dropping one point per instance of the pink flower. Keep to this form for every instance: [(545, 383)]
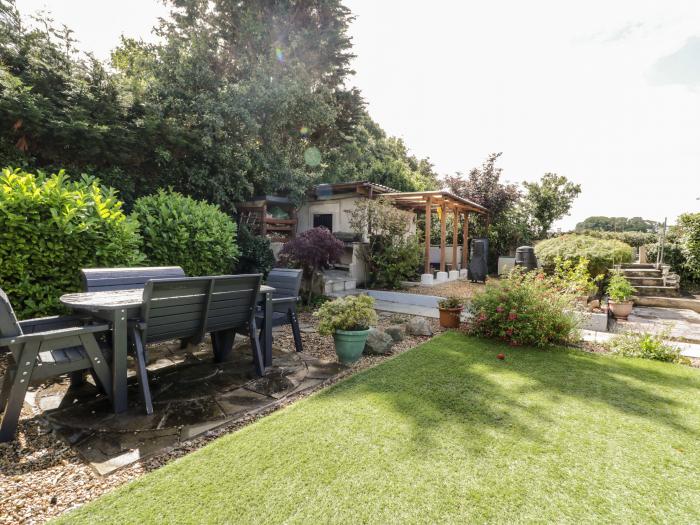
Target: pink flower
[(509, 332), (512, 316), (499, 309)]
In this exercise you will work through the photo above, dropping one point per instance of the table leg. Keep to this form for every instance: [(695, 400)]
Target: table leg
[(267, 350), (119, 368)]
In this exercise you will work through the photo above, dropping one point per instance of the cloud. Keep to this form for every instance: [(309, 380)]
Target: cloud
[(681, 67)]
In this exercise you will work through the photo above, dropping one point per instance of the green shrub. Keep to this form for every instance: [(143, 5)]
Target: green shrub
[(51, 228), (255, 253), (601, 254), (181, 231), (674, 257), (635, 239), (354, 312), (573, 277), (525, 308), (689, 238), (395, 262), (645, 345), (619, 288)]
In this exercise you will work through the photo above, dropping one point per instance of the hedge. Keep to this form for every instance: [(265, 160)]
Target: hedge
[(601, 253), (181, 231), (50, 228)]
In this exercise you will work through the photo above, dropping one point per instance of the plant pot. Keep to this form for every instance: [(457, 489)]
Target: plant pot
[(349, 344), (621, 310), (450, 317)]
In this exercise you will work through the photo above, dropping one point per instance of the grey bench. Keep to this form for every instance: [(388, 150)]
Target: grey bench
[(109, 279), (188, 308)]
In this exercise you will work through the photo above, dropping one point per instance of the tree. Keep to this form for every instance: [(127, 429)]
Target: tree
[(483, 185), (617, 224), (549, 200)]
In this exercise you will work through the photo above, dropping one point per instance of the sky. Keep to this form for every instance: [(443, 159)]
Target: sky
[(605, 93)]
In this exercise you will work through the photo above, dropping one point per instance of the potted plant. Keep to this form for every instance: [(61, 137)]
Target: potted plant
[(620, 292), (348, 320), (450, 311)]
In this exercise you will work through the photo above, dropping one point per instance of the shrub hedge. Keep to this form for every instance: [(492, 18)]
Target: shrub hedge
[(255, 253), (50, 228), (601, 253), (181, 231)]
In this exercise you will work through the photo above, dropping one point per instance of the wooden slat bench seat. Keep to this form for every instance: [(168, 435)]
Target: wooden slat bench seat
[(107, 279)]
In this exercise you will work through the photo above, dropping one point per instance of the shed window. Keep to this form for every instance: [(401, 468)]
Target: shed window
[(323, 219)]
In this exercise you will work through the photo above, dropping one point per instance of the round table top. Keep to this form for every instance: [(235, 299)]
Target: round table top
[(114, 299)]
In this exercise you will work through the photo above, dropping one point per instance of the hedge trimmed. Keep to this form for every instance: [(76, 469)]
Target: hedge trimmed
[(181, 231), (601, 253), (50, 228)]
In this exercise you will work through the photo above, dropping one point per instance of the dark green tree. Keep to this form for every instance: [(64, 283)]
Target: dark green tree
[(549, 200)]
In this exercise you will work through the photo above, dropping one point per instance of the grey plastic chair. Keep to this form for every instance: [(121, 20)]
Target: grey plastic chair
[(286, 283), (43, 348)]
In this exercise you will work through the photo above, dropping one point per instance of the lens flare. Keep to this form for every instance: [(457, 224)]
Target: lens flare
[(312, 157), (304, 131), (279, 54)]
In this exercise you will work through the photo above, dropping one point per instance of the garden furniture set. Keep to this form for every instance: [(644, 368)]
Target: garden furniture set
[(126, 309)]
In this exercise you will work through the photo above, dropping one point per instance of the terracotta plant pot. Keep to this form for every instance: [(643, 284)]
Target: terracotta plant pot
[(450, 317), (621, 310)]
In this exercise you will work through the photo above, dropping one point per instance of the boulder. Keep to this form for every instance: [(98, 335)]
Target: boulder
[(395, 331), (419, 326), (378, 342)]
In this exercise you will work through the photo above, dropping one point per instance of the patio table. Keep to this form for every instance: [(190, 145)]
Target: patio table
[(117, 307)]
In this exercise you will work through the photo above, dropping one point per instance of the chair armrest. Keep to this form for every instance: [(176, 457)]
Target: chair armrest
[(54, 322), (54, 334), (282, 300)]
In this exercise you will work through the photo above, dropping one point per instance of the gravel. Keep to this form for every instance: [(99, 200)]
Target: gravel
[(42, 477)]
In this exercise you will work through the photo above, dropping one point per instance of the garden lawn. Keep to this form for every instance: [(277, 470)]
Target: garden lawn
[(446, 433)]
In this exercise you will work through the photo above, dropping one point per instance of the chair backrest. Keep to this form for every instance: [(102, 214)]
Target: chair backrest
[(175, 308), (107, 279), (9, 326), (232, 303), (285, 281)]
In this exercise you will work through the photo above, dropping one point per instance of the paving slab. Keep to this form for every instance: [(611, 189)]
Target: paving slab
[(190, 398)]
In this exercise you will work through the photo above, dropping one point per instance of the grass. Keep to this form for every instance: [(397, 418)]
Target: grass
[(446, 433)]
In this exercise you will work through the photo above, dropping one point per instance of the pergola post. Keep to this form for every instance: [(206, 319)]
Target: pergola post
[(442, 274), (454, 272), (465, 244), (428, 218)]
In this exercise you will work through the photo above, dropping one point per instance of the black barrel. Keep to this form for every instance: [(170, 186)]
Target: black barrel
[(478, 260), (525, 257)]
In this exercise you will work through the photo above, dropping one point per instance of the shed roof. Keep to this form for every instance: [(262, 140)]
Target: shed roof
[(419, 200)]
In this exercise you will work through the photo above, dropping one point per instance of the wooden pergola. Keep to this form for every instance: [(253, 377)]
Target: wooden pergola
[(426, 202)]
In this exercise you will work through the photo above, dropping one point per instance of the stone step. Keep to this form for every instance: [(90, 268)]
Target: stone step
[(643, 272), (657, 291), (646, 281), (640, 266), (689, 303)]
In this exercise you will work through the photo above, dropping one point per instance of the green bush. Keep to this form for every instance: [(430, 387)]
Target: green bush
[(50, 228), (525, 308), (602, 254), (181, 231), (674, 257), (573, 277), (255, 253), (645, 345), (354, 312), (635, 239), (395, 262)]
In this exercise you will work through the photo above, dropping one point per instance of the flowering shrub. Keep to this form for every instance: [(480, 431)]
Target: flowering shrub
[(354, 312), (525, 308)]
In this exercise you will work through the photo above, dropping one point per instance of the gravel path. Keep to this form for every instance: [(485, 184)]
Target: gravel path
[(460, 288), (42, 477)]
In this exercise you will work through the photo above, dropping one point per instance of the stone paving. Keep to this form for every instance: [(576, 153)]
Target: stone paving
[(191, 395)]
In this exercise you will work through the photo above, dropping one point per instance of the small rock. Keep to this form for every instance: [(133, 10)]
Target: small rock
[(307, 329), (594, 305), (54, 500), (395, 331), (419, 326), (378, 342)]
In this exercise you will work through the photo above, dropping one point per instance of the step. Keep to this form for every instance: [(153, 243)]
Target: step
[(657, 291), (638, 266), (646, 281), (688, 303), (644, 272)]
